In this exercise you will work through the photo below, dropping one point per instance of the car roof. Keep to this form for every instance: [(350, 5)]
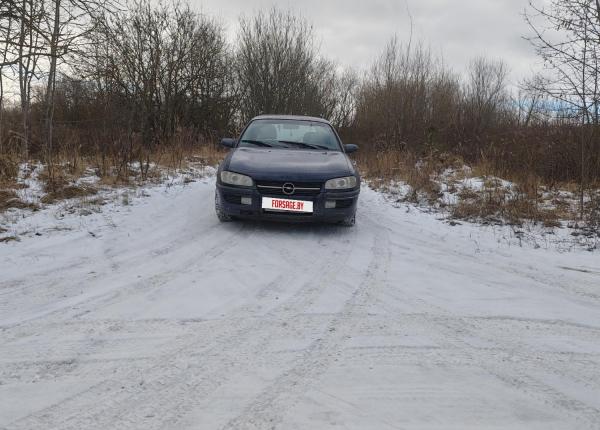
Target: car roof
[(293, 117)]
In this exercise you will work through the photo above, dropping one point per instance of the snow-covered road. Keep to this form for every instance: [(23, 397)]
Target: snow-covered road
[(155, 316)]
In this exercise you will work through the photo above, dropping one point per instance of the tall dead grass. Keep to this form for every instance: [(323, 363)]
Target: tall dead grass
[(10, 200), (9, 169), (527, 199), (417, 172), (121, 159), (496, 205)]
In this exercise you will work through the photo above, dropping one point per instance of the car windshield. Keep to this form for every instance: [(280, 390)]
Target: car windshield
[(286, 133)]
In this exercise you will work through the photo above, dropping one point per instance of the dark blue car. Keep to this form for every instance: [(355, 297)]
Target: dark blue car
[(288, 168)]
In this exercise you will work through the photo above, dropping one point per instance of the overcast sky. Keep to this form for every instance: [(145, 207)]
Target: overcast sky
[(353, 32)]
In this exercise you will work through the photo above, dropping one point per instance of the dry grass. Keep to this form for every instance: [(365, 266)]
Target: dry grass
[(593, 211), (68, 192), (498, 205), (9, 169), (419, 173), (494, 203), (59, 180), (114, 180), (10, 200), (184, 149), (208, 155)]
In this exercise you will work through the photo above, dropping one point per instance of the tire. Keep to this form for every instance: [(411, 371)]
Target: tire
[(223, 217), (349, 222)]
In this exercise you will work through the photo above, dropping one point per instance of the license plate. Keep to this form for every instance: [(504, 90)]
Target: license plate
[(286, 205)]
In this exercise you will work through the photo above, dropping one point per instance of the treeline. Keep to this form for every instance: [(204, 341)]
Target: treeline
[(118, 81), (410, 101), (136, 77)]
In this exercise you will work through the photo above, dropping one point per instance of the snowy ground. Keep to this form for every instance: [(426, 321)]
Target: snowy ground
[(151, 315)]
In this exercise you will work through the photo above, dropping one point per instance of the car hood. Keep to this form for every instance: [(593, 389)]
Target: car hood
[(293, 165)]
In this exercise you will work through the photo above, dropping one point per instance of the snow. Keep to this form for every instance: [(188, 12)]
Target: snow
[(148, 313)]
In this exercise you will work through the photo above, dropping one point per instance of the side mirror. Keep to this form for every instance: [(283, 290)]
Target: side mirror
[(350, 148), (228, 142)]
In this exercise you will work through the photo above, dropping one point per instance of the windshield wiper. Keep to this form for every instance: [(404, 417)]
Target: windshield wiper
[(257, 143), (304, 145)]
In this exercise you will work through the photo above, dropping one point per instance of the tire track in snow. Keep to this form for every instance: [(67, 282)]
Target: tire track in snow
[(267, 409), (172, 382), (196, 366), (497, 360), (46, 284), (120, 290), (507, 361)]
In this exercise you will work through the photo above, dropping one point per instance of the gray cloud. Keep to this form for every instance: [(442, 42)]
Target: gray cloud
[(353, 32)]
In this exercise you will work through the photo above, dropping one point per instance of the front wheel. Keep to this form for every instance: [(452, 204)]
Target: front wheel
[(223, 217)]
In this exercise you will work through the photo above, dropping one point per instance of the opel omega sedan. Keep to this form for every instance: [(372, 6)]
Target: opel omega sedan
[(288, 168)]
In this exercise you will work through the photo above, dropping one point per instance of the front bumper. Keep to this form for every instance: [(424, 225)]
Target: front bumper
[(229, 198)]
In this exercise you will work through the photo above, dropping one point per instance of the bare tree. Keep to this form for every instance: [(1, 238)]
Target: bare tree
[(345, 93), (67, 24), (37, 35), (279, 69), (532, 103), (30, 52), (8, 18), (406, 98), (485, 91), (160, 67), (569, 42)]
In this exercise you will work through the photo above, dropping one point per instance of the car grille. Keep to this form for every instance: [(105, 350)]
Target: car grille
[(275, 188)]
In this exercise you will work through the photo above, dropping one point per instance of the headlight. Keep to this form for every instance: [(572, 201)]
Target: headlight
[(236, 179), (341, 183)]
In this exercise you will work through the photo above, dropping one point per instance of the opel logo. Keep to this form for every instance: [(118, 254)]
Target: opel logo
[(288, 188)]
